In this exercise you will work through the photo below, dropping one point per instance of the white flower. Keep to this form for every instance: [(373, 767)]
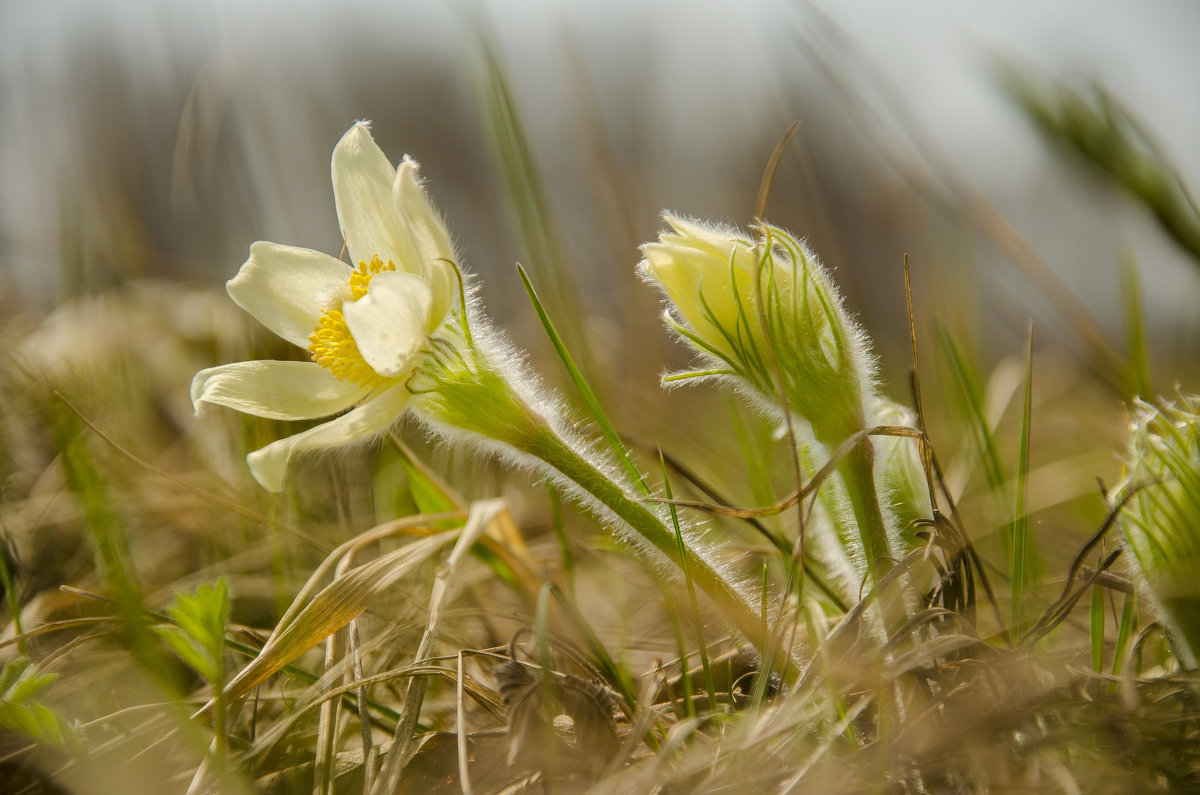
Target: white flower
[(364, 327)]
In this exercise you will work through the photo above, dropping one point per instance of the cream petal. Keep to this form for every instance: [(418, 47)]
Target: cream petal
[(287, 288), (712, 239), (429, 237), (269, 464), (362, 193), (389, 323), (277, 390)]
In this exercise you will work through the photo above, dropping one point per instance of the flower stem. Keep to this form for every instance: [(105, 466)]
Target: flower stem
[(550, 448), (858, 473)]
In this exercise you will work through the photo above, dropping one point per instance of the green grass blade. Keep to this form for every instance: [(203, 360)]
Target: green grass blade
[(107, 527), (972, 397), (616, 676), (1125, 630), (585, 390), (759, 693), (560, 532), (1020, 523), (523, 184), (1138, 374), (10, 591), (1106, 136), (1097, 627), (756, 472), (693, 603)]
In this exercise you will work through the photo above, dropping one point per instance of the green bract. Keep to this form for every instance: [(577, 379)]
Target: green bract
[(1162, 518)]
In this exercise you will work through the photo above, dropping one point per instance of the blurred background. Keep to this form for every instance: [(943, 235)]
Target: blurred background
[(149, 140), (1031, 162), (1030, 159)]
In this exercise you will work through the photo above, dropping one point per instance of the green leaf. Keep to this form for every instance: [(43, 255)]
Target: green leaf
[(198, 634), (21, 690)]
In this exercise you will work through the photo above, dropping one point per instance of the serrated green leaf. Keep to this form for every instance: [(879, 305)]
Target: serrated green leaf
[(21, 689), (28, 685), (183, 645), (198, 636)]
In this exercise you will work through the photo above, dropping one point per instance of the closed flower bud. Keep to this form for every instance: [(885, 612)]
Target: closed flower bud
[(765, 315), (764, 311), (1161, 521)]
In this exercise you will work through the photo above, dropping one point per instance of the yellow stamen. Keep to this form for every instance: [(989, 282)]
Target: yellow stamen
[(360, 278), (333, 347)]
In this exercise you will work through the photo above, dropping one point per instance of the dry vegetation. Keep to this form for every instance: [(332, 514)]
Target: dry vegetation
[(421, 617)]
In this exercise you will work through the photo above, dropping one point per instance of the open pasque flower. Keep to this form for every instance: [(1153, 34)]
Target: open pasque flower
[(364, 326)]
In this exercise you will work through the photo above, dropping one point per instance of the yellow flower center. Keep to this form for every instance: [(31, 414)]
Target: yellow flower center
[(332, 346)]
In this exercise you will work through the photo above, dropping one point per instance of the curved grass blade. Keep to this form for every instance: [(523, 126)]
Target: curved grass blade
[(525, 191), (585, 391), (335, 606)]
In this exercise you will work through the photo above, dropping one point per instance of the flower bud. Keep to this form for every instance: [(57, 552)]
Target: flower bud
[(901, 473), (765, 312), (1161, 521)]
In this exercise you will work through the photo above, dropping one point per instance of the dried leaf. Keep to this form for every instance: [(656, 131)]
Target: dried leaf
[(333, 608)]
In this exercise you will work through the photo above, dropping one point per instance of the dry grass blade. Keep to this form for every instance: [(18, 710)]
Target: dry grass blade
[(808, 488), (482, 515), (422, 524), (183, 484), (333, 608), (764, 188), (930, 651), (830, 738), (323, 691), (464, 778)]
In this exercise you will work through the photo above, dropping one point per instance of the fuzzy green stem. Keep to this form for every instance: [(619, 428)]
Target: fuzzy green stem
[(858, 473), (549, 447), (481, 400)]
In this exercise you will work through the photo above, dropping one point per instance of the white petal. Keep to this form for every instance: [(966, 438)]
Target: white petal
[(362, 191), (287, 288), (429, 237), (278, 390), (389, 324), (269, 465)]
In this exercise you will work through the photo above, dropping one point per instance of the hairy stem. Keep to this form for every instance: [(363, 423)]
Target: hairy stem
[(858, 473), (550, 448)]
